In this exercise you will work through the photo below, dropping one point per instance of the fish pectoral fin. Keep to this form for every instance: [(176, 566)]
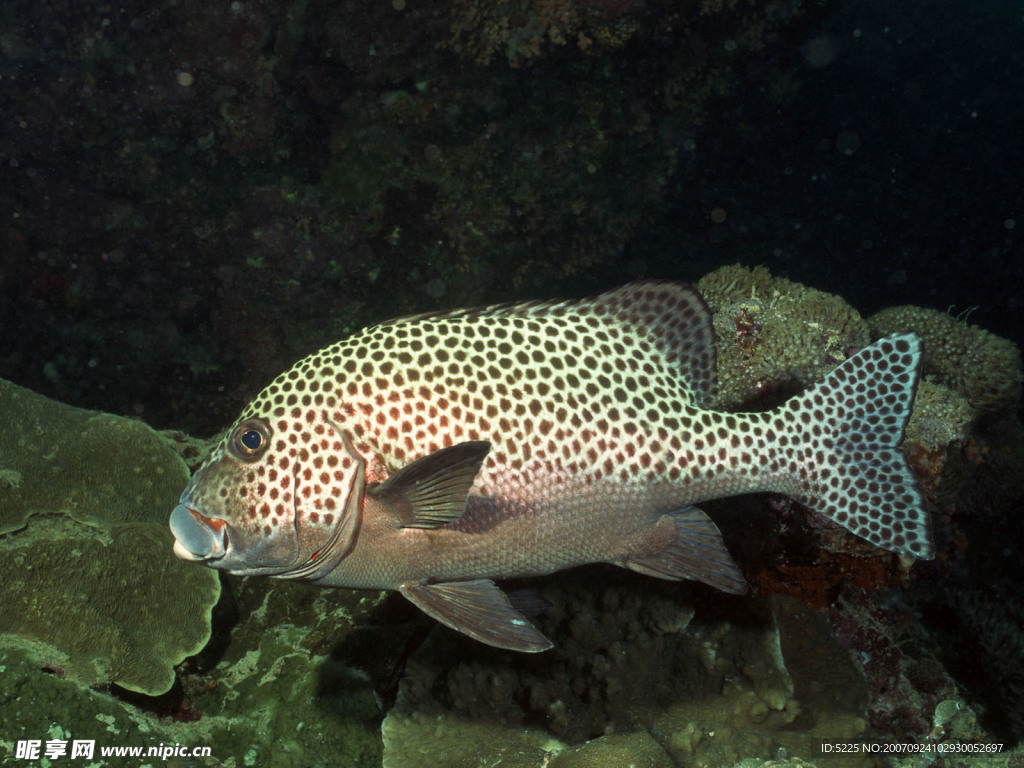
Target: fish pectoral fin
[(479, 609), (692, 548), (433, 490)]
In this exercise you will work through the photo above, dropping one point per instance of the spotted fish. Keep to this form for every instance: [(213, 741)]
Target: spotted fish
[(434, 454)]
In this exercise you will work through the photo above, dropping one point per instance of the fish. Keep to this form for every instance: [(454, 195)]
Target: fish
[(440, 453)]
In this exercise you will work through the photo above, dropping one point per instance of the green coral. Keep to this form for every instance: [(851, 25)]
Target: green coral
[(986, 369), (91, 584), (775, 336), (290, 707)]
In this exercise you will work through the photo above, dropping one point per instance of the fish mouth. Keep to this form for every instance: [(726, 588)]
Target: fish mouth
[(197, 537)]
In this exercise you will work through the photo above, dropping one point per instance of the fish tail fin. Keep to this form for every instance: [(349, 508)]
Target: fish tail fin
[(848, 429)]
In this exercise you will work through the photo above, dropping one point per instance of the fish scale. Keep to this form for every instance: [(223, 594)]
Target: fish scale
[(435, 453)]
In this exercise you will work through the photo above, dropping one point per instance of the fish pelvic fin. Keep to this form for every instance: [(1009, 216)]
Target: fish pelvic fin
[(848, 430), (480, 609), (686, 544)]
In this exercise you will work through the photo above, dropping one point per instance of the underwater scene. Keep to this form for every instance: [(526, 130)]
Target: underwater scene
[(464, 384)]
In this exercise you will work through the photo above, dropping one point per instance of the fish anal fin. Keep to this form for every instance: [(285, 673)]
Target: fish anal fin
[(433, 490), (686, 544), (479, 609)]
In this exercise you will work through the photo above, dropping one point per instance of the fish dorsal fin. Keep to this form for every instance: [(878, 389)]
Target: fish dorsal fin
[(479, 609), (432, 490), (676, 320)]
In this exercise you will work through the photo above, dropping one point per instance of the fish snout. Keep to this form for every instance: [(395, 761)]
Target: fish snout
[(197, 537)]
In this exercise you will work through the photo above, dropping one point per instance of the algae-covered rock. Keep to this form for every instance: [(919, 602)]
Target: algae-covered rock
[(445, 740), (91, 585), (986, 369), (637, 749)]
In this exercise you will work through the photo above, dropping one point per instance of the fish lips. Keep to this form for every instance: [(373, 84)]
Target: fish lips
[(197, 537)]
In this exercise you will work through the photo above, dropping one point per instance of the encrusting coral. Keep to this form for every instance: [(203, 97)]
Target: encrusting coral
[(775, 337), (91, 588), (984, 368)]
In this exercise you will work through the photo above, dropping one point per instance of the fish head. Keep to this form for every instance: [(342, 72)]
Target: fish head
[(276, 498)]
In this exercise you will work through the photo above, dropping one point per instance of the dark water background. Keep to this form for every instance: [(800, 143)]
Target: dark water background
[(167, 249)]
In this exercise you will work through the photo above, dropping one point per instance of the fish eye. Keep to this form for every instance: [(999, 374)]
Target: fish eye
[(250, 439)]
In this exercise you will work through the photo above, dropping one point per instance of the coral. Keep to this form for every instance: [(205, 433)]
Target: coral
[(91, 584), (288, 706), (984, 368), (940, 418), (415, 738), (775, 336), (274, 706), (736, 679), (117, 619)]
